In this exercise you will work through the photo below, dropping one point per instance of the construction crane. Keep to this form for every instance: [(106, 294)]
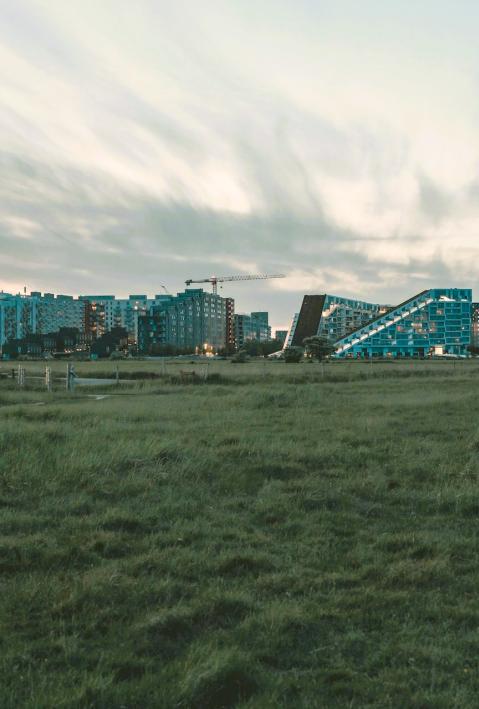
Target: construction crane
[(214, 280)]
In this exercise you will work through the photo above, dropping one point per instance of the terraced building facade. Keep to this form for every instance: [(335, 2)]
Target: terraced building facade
[(436, 321)]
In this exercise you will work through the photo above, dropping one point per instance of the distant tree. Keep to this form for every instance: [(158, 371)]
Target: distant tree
[(240, 357), (253, 348), (226, 351), (116, 354), (168, 350), (318, 347), (271, 346), (293, 354), (256, 348)]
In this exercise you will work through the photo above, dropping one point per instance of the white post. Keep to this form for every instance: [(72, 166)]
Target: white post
[(48, 378), (70, 381)]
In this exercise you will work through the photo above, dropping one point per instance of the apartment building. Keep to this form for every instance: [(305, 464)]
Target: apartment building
[(253, 326)]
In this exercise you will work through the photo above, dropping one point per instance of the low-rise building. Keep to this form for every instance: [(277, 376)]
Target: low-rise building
[(67, 340)]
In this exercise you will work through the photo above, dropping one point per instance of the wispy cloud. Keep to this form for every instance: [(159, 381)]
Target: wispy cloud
[(147, 142)]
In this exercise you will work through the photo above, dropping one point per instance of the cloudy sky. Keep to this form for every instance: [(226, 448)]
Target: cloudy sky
[(150, 141)]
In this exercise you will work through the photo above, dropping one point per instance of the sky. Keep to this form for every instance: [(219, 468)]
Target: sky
[(147, 142)]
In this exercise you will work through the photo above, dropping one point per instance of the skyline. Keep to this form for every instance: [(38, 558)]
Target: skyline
[(149, 144)]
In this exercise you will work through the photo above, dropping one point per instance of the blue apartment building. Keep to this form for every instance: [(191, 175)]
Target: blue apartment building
[(436, 321)]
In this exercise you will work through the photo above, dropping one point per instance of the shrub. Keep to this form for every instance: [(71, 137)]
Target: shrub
[(293, 354), (240, 357)]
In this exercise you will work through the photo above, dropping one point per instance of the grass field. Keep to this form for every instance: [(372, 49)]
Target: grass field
[(272, 536)]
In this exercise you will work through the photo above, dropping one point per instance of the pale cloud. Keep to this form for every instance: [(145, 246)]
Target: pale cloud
[(150, 142)]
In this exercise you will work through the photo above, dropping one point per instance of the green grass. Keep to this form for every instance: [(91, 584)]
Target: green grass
[(277, 536)]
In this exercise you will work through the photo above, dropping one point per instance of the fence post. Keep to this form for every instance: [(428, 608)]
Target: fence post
[(21, 376), (205, 377), (117, 374), (70, 381), (48, 378)]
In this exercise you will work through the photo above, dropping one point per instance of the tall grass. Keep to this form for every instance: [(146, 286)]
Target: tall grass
[(297, 540)]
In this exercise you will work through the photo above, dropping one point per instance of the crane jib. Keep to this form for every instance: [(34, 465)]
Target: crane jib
[(214, 280)]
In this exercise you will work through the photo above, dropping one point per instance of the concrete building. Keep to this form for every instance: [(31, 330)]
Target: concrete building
[(197, 319), (475, 325), (56, 312), (254, 326), (17, 317), (112, 312), (243, 330), (281, 336), (193, 320), (106, 312), (151, 332), (23, 315), (261, 326), (230, 324)]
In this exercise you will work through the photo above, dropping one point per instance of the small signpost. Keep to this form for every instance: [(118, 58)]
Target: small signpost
[(21, 376)]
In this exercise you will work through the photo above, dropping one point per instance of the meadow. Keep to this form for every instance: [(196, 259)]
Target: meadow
[(260, 535)]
